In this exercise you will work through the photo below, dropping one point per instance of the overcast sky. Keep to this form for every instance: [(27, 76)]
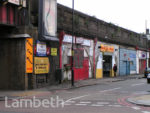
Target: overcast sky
[(129, 14)]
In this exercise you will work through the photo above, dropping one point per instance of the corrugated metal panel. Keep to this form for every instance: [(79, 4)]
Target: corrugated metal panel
[(127, 61)]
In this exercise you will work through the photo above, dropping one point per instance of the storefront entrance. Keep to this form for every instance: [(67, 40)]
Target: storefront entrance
[(142, 65), (107, 65)]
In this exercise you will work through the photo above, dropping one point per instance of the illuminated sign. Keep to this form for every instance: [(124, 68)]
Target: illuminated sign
[(106, 48)]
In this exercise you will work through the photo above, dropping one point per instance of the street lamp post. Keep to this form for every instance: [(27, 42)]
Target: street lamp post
[(72, 72), (147, 33)]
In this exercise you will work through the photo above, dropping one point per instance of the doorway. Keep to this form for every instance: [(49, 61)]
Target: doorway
[(107, 65)]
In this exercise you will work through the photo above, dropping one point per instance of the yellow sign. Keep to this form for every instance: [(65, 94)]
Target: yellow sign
[(106, 48), (29, 55), (54, 51), (41, 65)]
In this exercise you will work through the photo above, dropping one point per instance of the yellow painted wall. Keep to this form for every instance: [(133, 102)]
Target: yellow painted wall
[(99, 73), (111, 73)]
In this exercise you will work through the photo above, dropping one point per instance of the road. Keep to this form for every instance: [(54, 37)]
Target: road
[(103, 98)]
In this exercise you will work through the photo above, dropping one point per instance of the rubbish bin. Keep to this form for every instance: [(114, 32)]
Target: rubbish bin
[(59, 75)]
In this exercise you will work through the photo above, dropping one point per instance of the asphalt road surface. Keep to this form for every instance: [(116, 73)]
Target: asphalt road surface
[(103, 98)]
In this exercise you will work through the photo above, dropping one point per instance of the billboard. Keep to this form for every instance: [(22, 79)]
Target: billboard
[(16, 2), (47, 19)]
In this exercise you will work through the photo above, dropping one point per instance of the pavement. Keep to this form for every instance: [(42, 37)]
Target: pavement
[(140, 100)]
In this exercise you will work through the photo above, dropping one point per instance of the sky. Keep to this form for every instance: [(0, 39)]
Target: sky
[(133, 15)]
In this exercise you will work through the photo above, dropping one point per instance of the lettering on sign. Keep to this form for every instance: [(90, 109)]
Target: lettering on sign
[(29, 55), (41, 48), (41, 65), (54, 51), (106, 48)]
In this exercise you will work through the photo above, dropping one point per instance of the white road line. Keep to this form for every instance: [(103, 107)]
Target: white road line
[(103, 103), (136, 108), (137, 84), (85, 102), (75, 98), (97, 105), (80, 104), (66, 104), (70, 102), (114, 105), (110, 90), (145, 112)]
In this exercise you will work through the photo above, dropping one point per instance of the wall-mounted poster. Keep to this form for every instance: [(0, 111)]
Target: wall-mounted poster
[(47, 19), (41, 48), (29, 55), (41, 65)]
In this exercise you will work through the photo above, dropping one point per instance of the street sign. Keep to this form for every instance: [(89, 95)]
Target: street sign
[(29, 55)]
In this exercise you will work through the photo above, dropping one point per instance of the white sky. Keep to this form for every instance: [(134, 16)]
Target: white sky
[(129, 14)]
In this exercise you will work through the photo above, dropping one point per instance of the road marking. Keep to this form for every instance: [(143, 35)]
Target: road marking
[(145, 112), (97, 105), (115, 105), (85, 102), (110, 90), (66, 104), (81, 104), (136, 108), (103, 103), (75, 98), (70, 101), (137, 84)]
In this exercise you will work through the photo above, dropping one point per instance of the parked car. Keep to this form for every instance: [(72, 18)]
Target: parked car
[(146, 72)]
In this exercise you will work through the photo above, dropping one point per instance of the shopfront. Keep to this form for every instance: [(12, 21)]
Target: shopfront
[(107, 57), (141, 60), (127, 62), (81, 57)]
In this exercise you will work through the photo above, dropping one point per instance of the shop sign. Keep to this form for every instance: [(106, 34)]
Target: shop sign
[(29, 55), (79, 40), (41, 65), (106, 48), (41, 49), (16, 2), (53, 51), (86, 42), (68, 39)]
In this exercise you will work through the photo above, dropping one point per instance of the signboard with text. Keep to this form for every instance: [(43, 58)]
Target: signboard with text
[(29, 55), (106, 48), (53, 51), (41, 65), (41, 49)]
